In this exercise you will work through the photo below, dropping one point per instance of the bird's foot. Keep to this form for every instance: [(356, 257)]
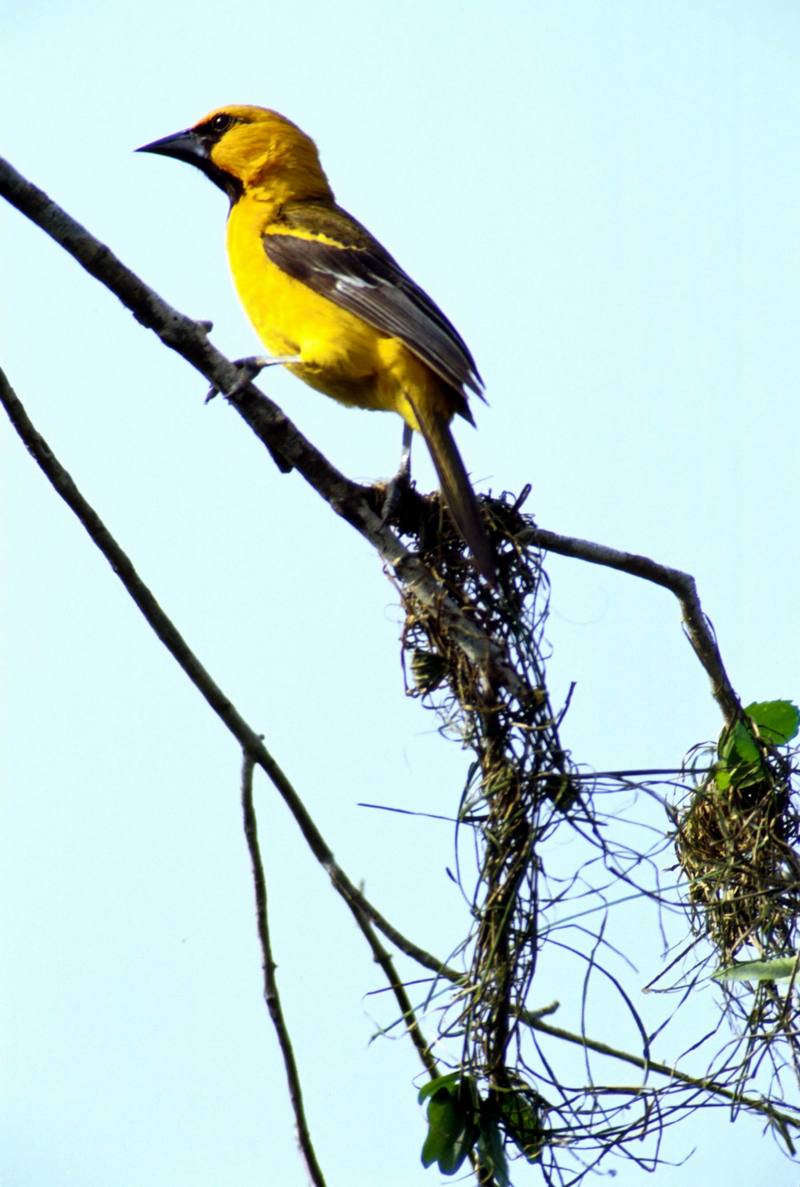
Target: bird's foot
[(248, 369), (401, 483), (396, 489)]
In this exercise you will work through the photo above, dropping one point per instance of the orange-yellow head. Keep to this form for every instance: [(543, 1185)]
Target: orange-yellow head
[(243, 148)]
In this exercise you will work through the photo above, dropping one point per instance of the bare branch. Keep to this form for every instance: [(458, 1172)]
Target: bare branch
[(271, 995), (250, 742), (359, 505), (697, 624), (408, 1012), (713, 1087)]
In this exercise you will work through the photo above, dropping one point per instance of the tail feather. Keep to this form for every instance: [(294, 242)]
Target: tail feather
[(456, 486)]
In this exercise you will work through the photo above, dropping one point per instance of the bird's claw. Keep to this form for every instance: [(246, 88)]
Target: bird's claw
[(248, 369), (395, 491)]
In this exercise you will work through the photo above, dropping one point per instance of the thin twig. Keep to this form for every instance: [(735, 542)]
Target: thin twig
[(682, 585), (408, 1012), (382, 957), (255, 753), (250, 742), (650, 1065), (271, 995)]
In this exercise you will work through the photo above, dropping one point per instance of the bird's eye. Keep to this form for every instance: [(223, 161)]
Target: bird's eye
[(221, 122)]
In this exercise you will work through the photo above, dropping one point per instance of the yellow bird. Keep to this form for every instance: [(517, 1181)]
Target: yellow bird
[(328, 300)]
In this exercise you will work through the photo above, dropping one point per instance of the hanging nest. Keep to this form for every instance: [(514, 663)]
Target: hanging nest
[(495, 723), (734, 840), (521, 781), (736, 844)]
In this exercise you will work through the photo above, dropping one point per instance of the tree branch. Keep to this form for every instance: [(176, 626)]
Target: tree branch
[(697, 624), (250, 742), (356, 503), (359, 505), (713, 1087), (408, 1012), (271, 995)]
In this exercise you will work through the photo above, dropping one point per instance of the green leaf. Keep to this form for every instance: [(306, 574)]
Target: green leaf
[(452, 1129), (520, 1114), (722, 776), (772, 722), (438, 1082), (445, 1126), (743, 743), (461, 1147), (491, 1152), (777, 721), (783, 968)]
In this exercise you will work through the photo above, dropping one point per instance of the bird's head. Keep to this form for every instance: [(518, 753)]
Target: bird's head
[(248, 148)]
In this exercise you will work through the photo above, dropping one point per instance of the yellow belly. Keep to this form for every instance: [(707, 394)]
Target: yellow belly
[(340, 354)]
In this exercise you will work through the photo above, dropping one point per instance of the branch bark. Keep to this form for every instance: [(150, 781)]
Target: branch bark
[(778, 1117), (357, 504), (250, 742), (271, 994), (696, 623)]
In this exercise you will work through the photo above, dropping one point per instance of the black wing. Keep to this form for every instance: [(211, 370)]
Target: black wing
[(358, 274)]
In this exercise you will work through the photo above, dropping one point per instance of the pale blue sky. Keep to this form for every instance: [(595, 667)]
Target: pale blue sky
[(605, 198)]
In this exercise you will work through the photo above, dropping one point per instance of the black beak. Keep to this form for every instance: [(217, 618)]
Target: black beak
[(183, 146), (194, 147)]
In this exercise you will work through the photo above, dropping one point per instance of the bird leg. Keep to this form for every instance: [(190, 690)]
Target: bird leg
[(249, 368), (402, 479)]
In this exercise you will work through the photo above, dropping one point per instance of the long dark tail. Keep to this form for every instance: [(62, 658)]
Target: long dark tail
[(456, 487)]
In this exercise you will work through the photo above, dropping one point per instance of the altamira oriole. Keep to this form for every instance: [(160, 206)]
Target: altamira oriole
[(327, 299)]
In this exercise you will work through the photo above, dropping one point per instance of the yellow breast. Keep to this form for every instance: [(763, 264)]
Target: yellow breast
[(341, 355)]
